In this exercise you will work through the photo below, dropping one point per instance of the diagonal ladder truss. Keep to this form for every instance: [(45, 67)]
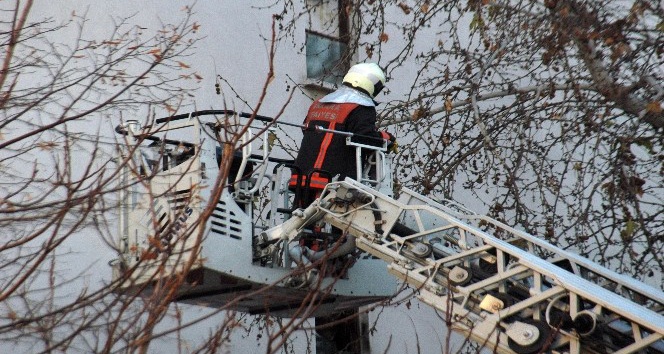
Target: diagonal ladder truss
[(504, 288)]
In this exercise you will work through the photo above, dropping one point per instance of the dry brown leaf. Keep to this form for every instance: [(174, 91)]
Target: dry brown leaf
[(384, 37), (654, 107), (448, 105)]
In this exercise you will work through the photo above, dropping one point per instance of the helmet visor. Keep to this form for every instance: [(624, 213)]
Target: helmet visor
[(377, 88)]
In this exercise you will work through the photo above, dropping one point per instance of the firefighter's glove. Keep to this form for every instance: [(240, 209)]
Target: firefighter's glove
[(392, 145)]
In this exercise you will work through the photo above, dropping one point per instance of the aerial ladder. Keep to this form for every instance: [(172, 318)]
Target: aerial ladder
[(509, 291)]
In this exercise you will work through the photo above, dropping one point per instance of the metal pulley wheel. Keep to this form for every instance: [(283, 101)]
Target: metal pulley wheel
[(418, 249), (528, 336), (460, 275)]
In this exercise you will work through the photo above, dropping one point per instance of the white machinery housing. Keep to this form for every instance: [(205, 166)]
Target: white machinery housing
[(171, 170)]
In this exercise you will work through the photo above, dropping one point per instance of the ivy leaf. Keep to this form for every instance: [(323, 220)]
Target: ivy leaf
[(477, 22), (660, 26), (646, 144), (271, 138), (628, 232)]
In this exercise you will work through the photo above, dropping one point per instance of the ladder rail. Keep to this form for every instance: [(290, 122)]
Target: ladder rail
[(579, 286), (548, 287), (621, 279)]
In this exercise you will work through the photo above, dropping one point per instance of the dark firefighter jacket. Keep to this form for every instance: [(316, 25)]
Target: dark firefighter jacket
[(323, 155)]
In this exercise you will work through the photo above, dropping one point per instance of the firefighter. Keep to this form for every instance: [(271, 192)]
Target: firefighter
[(351, 108)]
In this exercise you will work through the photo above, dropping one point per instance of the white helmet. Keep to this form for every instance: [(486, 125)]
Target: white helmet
[(368, 77)]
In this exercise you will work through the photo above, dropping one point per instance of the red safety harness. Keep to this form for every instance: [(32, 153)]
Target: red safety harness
[(327, 115)]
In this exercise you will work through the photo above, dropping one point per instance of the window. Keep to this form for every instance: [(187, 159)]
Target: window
[(327, 43), (326, 57)]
